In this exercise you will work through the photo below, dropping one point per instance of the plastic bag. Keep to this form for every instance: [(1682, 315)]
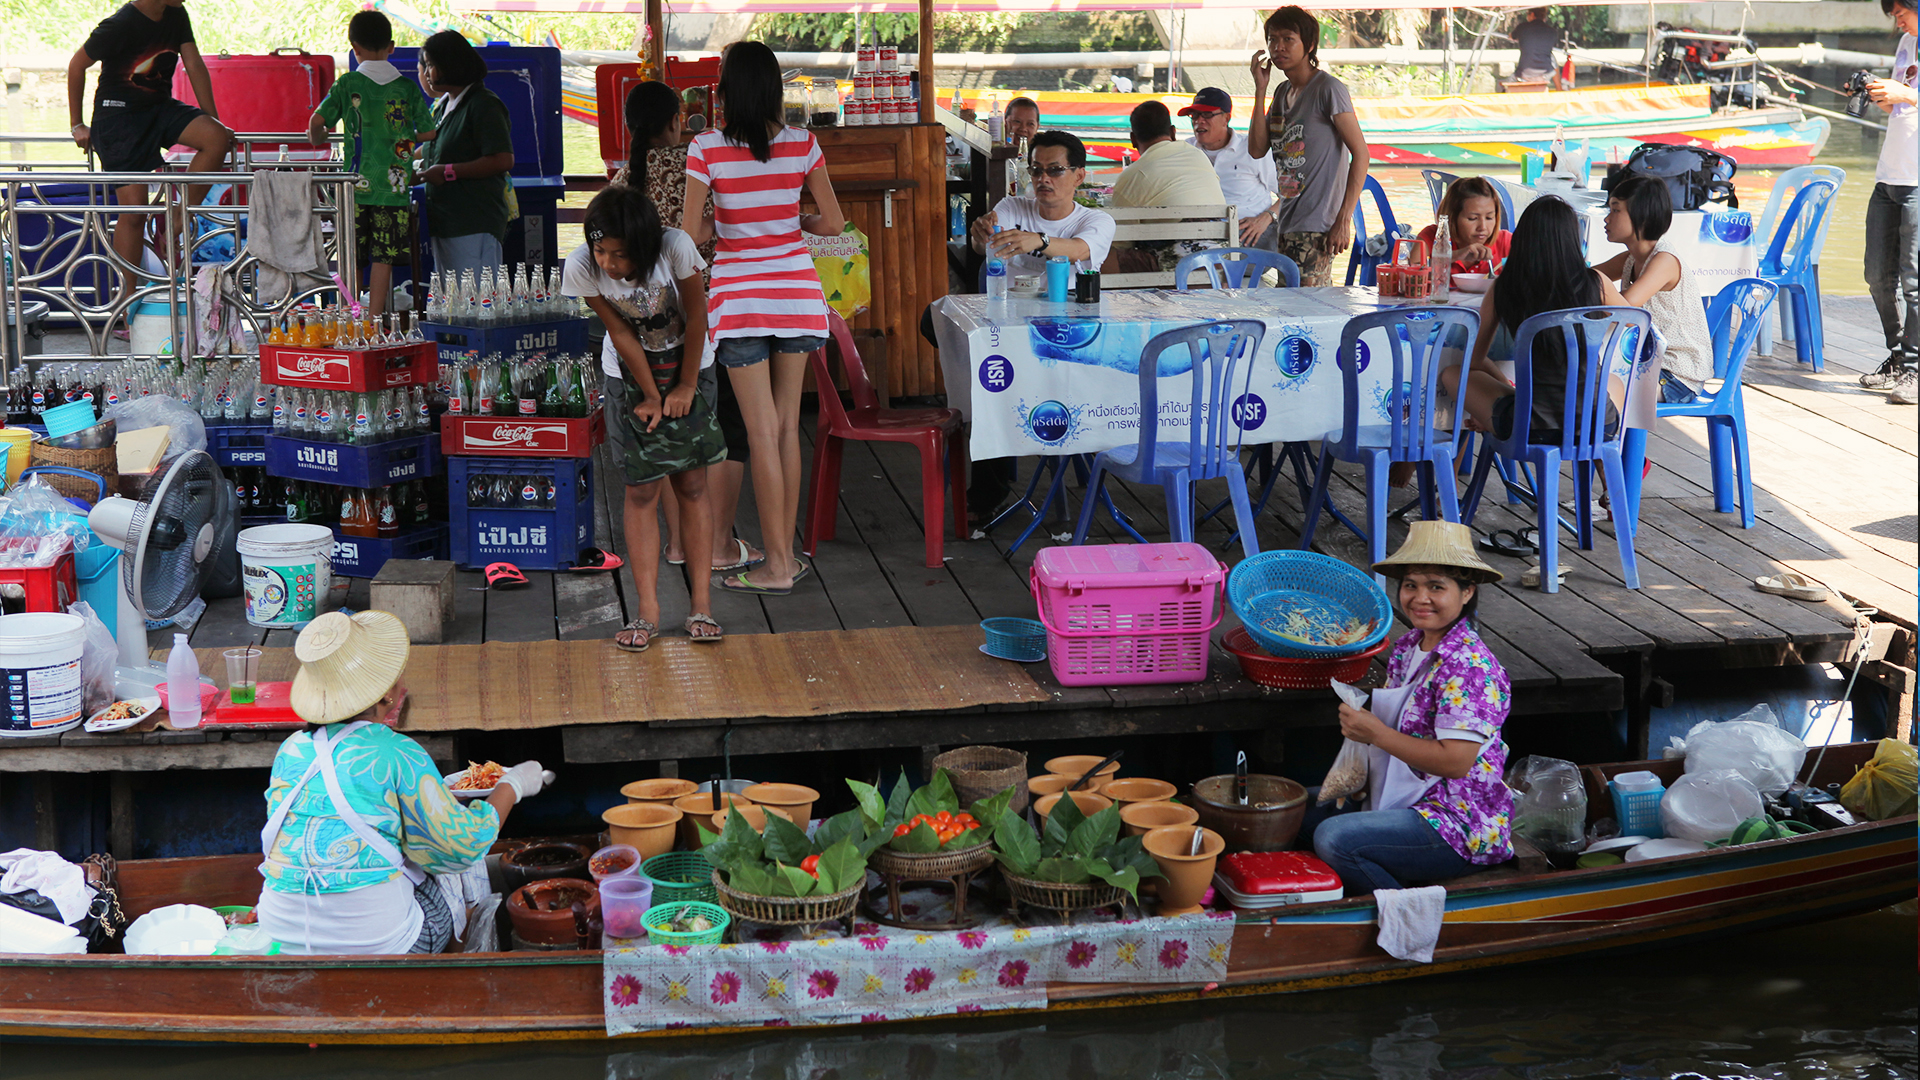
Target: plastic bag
[(38, 525), (187, 430), (1551, 807), (1885, 786), (1708, 805), (100, 653), (1752, 744), (1348, 776)]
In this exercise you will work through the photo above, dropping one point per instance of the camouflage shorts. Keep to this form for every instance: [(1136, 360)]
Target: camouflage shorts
[(1310, 253), (385, 234), (674, 445)]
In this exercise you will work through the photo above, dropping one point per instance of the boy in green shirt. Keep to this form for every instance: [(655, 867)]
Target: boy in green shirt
[(386, 116)]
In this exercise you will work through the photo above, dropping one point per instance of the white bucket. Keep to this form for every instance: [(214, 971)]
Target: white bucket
[(40, 661), (287, 570)]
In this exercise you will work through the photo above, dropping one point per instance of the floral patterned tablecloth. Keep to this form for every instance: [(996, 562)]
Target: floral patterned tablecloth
[(884, 973)]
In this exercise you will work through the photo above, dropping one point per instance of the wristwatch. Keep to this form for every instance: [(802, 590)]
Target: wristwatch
[(1044, 241), (448, 175)]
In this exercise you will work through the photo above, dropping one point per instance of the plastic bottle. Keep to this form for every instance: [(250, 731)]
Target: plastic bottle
[(1440, 261), (996, 125), (996, 275), (183, 685)]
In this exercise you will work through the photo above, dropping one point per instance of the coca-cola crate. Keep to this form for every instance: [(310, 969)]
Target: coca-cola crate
[(355, 370), (540, 533), (363, 556), (522, 436), (356, 466), (465, 344)]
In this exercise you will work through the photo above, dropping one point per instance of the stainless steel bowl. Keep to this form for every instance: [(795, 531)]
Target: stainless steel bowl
[(98, 437)]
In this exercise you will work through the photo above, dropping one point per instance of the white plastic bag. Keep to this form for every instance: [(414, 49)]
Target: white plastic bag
[(1705, 806), (1348, 776), (1752, 744), (99, 654), (187, 431)]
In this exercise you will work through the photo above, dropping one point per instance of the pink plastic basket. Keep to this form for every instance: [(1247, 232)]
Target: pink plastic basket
[(1124, 614)]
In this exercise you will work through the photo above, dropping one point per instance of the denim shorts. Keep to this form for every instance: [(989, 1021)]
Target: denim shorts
[(748, 351)]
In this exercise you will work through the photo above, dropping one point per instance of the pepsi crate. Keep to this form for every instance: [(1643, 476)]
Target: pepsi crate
[(532, 539), (522, 436), (238, 444), (464, 344), (355, 466), (363, 556), (357, 370)]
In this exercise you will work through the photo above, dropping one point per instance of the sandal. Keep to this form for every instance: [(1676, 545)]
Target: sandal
[(744, 558), (593, 560), (639, 630), (739, 583), (502, 574), (1510, 542), (1792, 586), (701, 619)]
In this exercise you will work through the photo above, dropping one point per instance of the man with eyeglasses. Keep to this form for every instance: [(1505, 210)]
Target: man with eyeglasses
[(1169, 173), (1245, 180)]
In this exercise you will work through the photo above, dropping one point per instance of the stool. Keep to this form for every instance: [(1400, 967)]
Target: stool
[(420, 593)]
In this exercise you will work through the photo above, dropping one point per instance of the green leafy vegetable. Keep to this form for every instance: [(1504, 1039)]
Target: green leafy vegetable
[(784, 842), (1016, 846), (1073, 849)]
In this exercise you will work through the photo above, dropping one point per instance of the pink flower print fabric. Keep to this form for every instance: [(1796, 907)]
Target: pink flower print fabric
[(1465, 690)]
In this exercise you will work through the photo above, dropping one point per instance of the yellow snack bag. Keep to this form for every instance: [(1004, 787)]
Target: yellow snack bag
[(845, 275)]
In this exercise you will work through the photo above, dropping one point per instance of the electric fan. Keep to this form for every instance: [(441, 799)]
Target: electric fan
[(166, 539)]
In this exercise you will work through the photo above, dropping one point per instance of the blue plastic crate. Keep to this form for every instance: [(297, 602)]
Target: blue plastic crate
[(466, 344), (362, 556), (348, 465), (532, 539), (1638, 812), (238, 444)]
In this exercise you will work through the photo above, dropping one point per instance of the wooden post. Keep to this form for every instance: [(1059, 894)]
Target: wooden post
[(657, 52), (927, 91)]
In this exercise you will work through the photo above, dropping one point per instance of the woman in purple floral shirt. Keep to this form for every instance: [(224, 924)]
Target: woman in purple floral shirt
[(1436, 806)]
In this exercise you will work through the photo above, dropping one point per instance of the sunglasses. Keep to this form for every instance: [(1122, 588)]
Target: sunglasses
[(1055, 171)]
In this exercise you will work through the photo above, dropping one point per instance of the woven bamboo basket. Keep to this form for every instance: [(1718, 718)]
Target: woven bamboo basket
[(1063, 898), (981, 772), (789, 910), (932, 865), (101, 462)]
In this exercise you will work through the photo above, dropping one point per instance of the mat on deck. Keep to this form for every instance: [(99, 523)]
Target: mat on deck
[(504, 686)]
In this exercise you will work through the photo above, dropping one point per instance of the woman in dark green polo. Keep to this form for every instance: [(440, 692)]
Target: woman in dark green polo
[(466, 165)]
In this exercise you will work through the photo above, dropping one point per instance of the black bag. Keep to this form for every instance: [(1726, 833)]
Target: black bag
[(1694, 175)]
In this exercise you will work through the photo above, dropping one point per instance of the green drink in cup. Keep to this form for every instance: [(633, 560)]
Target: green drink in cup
[(243, 669)]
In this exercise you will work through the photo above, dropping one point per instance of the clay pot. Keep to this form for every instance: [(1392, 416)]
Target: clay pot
[(661, 789), (542, 911), (646, 827), (1139, 819), (1138, 789), (540, 861), (1187, 875), (756, 816), (1074, 766), (1089, 804), (698, 807), (795, 800), (1269, 821), (1049, 784)]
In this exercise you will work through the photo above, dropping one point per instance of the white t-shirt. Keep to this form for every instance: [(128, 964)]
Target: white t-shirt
[(655, 300), (1248, 182), (1084, 223), (1900, 148)]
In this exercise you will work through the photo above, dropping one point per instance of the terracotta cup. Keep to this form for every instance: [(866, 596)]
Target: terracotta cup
[(1074, 766), (646, 827), (1138, 819), (661, 789), (1049, 784), (1138, 789), (1187, 875), (1089, 804), (795, 800), (756, 816), (698, 807)]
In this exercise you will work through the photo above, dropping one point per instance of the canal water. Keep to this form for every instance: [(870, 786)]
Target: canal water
[(1835, 1000)]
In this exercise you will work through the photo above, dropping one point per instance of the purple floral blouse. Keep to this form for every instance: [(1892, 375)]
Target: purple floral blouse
[(1465, 689)]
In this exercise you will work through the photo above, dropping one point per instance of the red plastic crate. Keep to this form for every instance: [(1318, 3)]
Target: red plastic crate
[(522, 436), (48, 588), (355, 370)]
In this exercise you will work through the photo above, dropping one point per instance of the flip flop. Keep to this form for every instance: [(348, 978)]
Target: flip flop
[(739, 583), (1792, 586), (698, 619), (502, 574), (593, 560), (743, 559), (1512, 543), (637, 626)]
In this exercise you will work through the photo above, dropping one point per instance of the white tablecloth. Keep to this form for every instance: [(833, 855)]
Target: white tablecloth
[(1716, 243)]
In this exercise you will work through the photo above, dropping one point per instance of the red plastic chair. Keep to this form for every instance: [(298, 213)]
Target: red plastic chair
[(935, 431)]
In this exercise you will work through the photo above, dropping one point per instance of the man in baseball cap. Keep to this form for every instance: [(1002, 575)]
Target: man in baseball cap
[(1247, 181)]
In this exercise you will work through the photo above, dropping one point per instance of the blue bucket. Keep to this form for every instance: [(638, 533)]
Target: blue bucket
[(98, 569)]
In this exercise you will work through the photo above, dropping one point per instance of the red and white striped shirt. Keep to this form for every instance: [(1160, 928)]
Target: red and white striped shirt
[(764, 283)]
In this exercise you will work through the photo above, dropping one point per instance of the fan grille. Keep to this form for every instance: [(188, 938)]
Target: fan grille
[(174, 507)]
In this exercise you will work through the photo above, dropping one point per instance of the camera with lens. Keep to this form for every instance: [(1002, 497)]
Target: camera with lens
[(1856, 91)]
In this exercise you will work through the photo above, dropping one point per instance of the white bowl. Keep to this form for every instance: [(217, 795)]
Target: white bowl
[(176, 930), (1473, 283), (1660, 849)]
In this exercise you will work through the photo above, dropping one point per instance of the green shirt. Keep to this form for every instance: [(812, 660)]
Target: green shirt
[(478, 127), (382, 120)]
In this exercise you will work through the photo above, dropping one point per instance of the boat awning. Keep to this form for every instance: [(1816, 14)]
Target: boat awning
[(909, 7)]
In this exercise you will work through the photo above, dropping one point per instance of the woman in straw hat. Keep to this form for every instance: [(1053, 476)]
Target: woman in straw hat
[(364, 844), (1436, 806)]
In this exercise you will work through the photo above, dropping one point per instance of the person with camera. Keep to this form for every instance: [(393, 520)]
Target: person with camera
[(1893, 217)]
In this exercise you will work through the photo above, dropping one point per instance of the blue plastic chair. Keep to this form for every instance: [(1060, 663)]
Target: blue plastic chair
[(1235, 268), (1789, 263), (1735, 316), (1360, 264), (1221, 358), (1593, 337), (1437, 183), (1784, 188), (1415, 337)]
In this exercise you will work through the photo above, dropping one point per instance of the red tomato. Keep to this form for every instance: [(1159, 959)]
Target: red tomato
[(902, 829), (811, 864)]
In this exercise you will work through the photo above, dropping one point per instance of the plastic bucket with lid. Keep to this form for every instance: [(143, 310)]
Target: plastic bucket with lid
[(287, 570), (150, 325), (40, 661)]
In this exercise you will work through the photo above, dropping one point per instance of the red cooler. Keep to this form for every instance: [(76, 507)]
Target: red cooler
[(274, 93), (1252, 880)]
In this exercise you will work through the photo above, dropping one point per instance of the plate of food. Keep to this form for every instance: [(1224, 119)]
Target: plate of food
[(476, 781), (122, 715)]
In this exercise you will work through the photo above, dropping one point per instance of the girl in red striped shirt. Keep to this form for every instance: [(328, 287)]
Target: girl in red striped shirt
[(768, 309)]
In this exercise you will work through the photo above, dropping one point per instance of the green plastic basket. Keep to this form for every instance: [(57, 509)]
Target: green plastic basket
[(662, 914), (679, 876)]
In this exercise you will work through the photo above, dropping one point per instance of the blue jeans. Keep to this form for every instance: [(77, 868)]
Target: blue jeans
[(1893, 266), (1673, 391), (747, 351), (1378, 849)]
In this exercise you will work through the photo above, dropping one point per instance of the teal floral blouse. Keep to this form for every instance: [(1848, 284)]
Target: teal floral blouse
[(1465, 690), (393, 784)]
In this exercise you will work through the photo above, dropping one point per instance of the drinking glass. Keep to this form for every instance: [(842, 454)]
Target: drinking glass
[(243, 669)]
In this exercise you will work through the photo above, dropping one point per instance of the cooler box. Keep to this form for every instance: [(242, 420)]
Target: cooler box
[(611, 84), (1266, 879), (527, 79), (527, 535), (1122, 614), (266, 94), (47, 241)]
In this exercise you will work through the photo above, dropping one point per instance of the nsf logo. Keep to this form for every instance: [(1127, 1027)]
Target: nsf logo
[(1049, 421), (1249, 412), (996, 374)]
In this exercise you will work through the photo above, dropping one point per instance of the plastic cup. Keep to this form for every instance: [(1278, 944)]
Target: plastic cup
[(623, 900), (243, 669)]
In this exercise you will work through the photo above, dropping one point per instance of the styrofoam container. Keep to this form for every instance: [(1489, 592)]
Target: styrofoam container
[(176, 930)]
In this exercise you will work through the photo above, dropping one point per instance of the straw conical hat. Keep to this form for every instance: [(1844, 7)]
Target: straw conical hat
[(1438, 543), (346, 664)]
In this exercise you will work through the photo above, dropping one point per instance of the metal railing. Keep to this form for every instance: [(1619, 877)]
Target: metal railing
[(245, 156)]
